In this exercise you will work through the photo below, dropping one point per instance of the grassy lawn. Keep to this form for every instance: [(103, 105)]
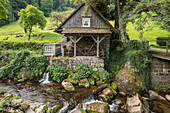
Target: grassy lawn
[(13, 29), (48, 35), (148, 35)]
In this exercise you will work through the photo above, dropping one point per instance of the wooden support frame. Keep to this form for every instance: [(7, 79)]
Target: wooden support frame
[(75, 41), (98, 41)]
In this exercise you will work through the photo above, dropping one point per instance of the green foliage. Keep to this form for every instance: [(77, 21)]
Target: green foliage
[(33, 46), (82, 71), (3, 10), (57, 72), (162, 40), (58, 17), (160, 86), (46, 6), (135, 53), (24, 65), (31, 16), (104, 76)]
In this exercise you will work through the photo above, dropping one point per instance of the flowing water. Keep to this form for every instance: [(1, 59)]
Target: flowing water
[(92, 99), (36, 93), (45, 79)]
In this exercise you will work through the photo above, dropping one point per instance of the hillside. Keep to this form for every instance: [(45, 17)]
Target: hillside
[(13, 29)]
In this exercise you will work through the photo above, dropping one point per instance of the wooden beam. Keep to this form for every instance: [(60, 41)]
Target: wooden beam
[(102, 39), (94, 39), (79, 39), (98, 45), (74, 46), (71, 39), (63, 52)]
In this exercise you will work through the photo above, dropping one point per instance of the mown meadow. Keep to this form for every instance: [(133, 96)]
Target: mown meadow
[(10, 31), (47, 35)]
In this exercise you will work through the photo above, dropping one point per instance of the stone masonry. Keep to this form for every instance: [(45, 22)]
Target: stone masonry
[(160, 71), (71, 63)]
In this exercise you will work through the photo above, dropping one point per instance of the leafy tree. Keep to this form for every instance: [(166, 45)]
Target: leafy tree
[(58, 17), (3, 10), (31, 16), (47, 6)]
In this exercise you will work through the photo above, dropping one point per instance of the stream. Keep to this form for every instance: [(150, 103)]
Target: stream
[(36, 93)]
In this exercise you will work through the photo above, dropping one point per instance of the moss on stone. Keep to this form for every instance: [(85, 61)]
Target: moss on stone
[(113, 85), (24, 106), (55, 109), (114, 92), (1, 92), (35, 107), (82, 110)]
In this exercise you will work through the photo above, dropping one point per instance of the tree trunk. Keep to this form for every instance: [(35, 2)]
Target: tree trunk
[(120, 23), (29, 36)]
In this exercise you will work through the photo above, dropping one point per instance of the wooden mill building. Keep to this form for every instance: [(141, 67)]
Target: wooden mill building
[(86, 34)]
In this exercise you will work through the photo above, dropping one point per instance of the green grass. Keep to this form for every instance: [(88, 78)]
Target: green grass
[(13, 29), (148, 35)]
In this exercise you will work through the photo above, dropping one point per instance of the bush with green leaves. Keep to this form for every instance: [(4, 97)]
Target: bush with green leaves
[(57, 72), (24, 65), (32, 46), (105, 76), (82, 71)]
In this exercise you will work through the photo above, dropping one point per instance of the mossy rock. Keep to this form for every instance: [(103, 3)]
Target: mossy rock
[(113, 85), (97, 107), (22, 80), (84, 83), (54, 109), (1, 92), (42, 109), (68, 86), (24, 106), (79, 111), (35, 107), (73, 81), (114, 92)]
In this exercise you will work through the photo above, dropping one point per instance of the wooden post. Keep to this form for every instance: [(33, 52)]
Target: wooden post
[(62, 44), (74, 46), (98, 46)]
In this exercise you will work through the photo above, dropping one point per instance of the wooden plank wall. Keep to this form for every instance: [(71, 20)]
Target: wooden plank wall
[(76, 20)]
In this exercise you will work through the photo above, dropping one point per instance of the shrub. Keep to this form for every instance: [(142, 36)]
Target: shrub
[(162, 40), (57, 72), (104, 76), (24, 65), (83, 71), (33, 46)]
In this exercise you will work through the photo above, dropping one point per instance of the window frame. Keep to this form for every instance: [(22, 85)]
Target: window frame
[(89, 23)]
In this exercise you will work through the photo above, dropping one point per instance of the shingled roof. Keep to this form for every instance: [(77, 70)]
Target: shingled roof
[(60, 30)]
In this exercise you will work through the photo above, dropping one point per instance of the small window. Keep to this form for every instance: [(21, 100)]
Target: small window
[(86, 22)]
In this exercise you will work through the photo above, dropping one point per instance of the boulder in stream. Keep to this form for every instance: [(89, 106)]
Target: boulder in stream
[(97, 107), (167, 97), (68, 86), (128, 83), (84, 82), (42, 109), (1, 92), (154, 95), (54, 109), (136, 105), (79, 111), (24, 106)]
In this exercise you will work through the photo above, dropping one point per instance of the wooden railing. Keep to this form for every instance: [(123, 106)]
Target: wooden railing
[(52, 49)]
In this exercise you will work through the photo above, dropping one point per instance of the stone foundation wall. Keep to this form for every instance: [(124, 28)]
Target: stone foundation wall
[(71, 63), (160, 71)]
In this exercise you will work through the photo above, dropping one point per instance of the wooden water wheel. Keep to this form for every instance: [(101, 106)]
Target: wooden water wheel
[(86, 47)]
